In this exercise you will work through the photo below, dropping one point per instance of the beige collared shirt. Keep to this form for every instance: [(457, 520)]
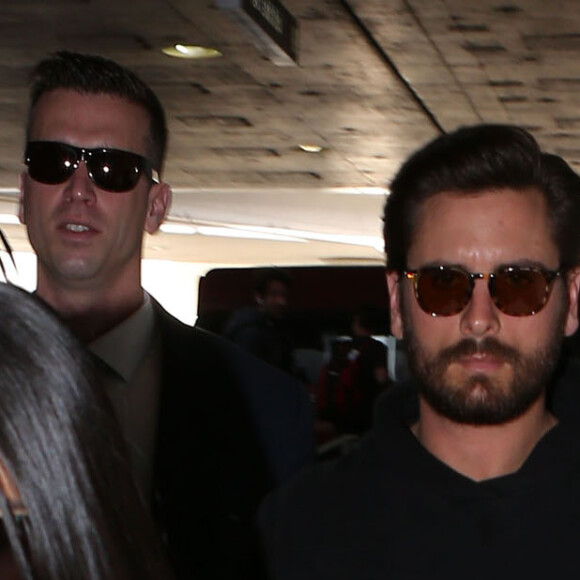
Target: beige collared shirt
[(131, 350)]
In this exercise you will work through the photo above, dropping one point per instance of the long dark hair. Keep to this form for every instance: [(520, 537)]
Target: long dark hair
[(61, 445)]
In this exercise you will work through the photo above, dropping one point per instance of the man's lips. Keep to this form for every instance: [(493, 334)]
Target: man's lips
[(481, 362), (77, 228)]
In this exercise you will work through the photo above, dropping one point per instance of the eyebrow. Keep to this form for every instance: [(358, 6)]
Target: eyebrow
[(522, 263)]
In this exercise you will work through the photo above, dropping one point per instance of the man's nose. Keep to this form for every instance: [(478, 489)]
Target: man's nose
[(80, 186), (480, 317)]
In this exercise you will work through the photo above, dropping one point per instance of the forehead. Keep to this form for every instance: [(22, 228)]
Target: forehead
[(90, 120), (483, 230)]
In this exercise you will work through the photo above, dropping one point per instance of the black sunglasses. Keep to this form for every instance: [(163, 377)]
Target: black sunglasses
[(515, 290), (113, 170)]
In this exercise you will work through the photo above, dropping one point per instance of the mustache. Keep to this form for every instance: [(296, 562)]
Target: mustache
[(488, 346)]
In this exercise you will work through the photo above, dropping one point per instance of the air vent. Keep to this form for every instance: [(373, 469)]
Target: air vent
[(249, 177), (559, 84), (205, 121), (507, 9), (562, 135), (567, 122), (483, 48), (294, 177), (468, 27), (245, 152), (504, 84), (162, 81), (107, 43), (531, 128), (512, 99), (567, 42)]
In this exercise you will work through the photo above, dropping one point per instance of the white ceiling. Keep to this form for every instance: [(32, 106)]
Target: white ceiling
[(376, 79)]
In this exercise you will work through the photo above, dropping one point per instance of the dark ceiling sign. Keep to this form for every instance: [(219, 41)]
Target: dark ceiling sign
[(273, 29)]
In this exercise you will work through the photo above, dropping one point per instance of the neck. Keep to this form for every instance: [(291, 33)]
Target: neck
[(482, 452), (91, 312)]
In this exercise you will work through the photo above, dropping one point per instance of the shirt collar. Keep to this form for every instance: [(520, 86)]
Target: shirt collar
[(125, 345)]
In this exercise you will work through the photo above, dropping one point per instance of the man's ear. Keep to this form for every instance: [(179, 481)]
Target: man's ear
[(393, 286), (159, 202), (21, 179), (572, 287)]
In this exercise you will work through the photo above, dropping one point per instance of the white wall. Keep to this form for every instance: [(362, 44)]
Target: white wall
[(173, 284)]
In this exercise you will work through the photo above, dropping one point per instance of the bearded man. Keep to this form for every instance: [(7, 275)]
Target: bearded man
[(481, 478)]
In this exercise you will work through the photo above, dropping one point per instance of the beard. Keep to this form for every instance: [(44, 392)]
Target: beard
[(480, 399)]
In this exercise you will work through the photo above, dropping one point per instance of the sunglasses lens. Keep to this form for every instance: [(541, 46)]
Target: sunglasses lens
[(443, 291), (115, 170), (520, 291), (49, 162)]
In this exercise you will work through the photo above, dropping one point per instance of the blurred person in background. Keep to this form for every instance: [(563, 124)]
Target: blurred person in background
[(354, 377), (263, 330)]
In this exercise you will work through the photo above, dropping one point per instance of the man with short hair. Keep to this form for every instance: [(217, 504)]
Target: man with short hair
[(481, 478), (207, 431), (262, 330)]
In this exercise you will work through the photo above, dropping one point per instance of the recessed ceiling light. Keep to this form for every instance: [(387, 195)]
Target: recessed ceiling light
[(9, 219), (190, 51), (310, 148)]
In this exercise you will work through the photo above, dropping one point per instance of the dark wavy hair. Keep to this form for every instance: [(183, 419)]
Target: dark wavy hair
[(91, 74), (264, 276), (64, 450), (474, 159)]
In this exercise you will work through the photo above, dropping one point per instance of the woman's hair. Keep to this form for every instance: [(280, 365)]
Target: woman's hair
[(62, 447)]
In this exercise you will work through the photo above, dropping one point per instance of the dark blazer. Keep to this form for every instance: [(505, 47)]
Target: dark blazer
[(230, 429)]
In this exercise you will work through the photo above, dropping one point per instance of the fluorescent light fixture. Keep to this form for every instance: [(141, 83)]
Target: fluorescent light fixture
[(9, 219), (227, 232), (371, 241), (180, 229), (190, 51), (248, 233), (359, 191), (349, 190)]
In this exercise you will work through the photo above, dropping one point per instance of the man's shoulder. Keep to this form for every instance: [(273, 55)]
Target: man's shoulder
[(201, 369), (330, 506), (339, 484), (246, 318)]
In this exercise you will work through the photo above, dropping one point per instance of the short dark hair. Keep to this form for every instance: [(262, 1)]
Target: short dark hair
[(471, 160), (91, 74), (62, 446), (368, 316), (264, 276)]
